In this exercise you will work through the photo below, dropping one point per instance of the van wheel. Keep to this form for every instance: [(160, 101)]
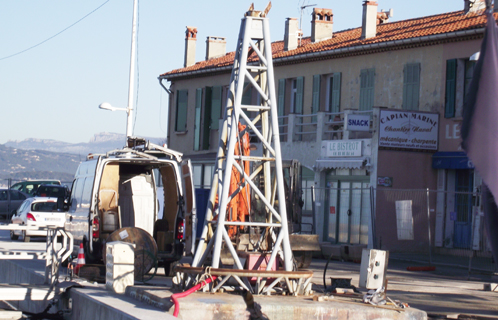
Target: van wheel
[(13, 236), (25, 238)]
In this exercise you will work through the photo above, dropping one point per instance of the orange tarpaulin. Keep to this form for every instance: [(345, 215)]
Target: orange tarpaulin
[(240, 205)]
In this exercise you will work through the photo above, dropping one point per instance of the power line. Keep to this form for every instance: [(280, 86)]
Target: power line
[(55, 35)]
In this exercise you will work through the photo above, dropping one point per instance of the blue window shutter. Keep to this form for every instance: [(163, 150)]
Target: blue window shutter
[(315, 103), (411, 86), (281, 99), (197, 122), (299, 95), (336, 92), (181, 110), (206, 123), (450, 98), (216, 107)]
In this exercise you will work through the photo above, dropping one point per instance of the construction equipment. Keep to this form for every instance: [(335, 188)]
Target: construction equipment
[(263, 220)]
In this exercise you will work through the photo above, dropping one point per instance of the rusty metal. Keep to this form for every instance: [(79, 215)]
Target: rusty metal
[(247, 273)]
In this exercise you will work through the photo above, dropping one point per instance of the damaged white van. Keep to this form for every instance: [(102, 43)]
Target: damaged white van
[(144, 186)]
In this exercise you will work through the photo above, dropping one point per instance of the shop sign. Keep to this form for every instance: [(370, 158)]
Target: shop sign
[(343, 148), (357, 122), (385, 181), (408, 130)]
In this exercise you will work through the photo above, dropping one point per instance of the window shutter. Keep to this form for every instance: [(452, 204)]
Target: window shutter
[(449, 108), (281, 99), (207, 118), (411, 86), (367, 80), (315, 103), (197, 122), (371, 82), (216, 108), (181, 110), (336, 92), (247, 96), (299, 95)]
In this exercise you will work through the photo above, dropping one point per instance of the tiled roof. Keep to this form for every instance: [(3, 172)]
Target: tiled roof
[(386, 32)]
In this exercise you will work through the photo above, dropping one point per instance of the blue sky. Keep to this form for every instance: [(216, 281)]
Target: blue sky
[(53, 91)]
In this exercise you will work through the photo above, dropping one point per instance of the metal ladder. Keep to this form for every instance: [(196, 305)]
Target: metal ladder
[(252, 68)]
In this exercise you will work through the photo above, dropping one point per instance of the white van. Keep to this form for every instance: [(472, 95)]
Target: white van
[(145, 186)]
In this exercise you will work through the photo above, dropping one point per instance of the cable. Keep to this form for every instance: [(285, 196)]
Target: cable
[(36, 45)]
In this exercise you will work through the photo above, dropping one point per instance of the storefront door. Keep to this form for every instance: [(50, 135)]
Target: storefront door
[(464, 182), (348, 212)]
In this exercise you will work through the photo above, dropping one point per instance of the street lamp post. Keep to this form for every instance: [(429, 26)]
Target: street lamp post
[(131, 87)]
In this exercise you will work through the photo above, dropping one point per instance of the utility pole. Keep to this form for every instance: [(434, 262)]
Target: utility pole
[(131, 88)]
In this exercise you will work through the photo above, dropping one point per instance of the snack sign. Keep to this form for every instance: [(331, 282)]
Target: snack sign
[(408, 130)]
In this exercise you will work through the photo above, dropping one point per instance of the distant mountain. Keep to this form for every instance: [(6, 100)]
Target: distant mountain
[(21, 164), (99, 143)]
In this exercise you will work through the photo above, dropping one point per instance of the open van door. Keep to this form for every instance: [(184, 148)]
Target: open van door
[(189, 207)]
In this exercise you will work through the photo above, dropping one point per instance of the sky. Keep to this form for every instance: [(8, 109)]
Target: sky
[(53, 90)]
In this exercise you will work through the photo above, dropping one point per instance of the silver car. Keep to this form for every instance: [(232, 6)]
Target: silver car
[(40, 212)]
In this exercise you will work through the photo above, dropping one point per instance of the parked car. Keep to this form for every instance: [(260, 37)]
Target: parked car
[(38, 211), (10, 200), (30, 186), (54, 191)]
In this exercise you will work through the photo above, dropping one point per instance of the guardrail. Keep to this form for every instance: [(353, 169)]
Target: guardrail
[(53, 256)]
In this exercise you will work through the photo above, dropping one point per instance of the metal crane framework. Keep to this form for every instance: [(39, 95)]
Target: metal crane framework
[(253, 68)]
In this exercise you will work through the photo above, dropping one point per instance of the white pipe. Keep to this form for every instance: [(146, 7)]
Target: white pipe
[(129, 110)]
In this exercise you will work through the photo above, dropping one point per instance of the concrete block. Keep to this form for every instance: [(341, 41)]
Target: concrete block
[(330, 249), (490, 287)]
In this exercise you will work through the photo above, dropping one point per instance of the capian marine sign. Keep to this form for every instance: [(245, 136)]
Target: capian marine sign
[(408, 130)]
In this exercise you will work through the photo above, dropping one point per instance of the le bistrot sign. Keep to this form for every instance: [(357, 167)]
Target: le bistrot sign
[(408, 130)]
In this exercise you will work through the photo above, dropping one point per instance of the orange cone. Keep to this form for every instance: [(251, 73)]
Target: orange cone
[(81, 259)]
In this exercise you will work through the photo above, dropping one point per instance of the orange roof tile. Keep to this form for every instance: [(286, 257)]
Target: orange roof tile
[(386, 32)]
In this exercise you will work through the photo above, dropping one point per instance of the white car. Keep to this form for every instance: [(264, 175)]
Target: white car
[(38, 211)]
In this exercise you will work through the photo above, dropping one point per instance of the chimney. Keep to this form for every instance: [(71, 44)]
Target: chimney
[(369, 20), (321, 24), (215, 47), (383, 16), (190, 41), (291, 35), (474, 5)]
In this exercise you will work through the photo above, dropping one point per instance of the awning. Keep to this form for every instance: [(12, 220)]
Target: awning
[(451, 160), (346, 163)]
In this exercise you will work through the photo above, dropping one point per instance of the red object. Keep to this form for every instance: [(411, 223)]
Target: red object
[(260, 262), (81, 259), (427, 268), (96, 228), (180, 226), (332, 210), (177, 296), (30, 217)]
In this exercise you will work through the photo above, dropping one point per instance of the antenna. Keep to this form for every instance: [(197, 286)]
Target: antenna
[(301, 19)]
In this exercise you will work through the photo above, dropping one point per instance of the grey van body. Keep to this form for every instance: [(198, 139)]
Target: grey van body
[(128, 188)]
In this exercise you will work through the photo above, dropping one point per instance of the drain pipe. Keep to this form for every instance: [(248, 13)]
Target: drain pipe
[(177, 296)]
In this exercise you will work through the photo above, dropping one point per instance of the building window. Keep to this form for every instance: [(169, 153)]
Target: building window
[(334, 92), (281, 100), (367, 77), (181, 110), (459, 74), (296, 95), (197, 122), (411, 86)]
